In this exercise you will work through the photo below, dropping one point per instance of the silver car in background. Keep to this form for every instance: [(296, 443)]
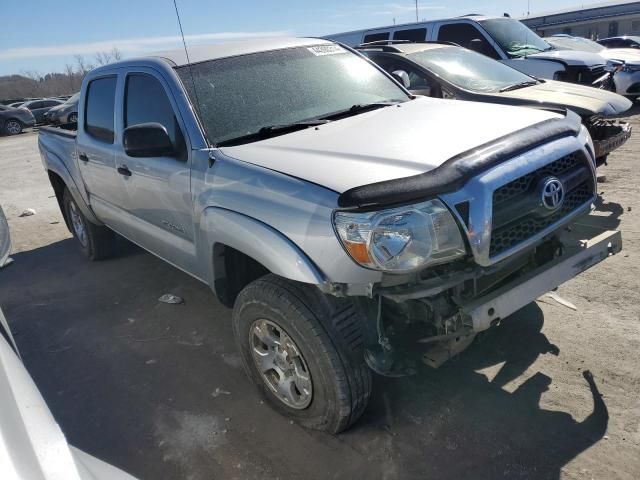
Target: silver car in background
[(64, 113)]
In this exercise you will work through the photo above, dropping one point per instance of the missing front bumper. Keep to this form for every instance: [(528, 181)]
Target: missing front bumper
[(585, 247), (608, 135)]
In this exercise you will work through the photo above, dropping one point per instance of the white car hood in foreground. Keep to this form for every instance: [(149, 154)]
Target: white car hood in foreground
[(32, 446), (571, 57), (630, 56), (5, 239), (388, 143)]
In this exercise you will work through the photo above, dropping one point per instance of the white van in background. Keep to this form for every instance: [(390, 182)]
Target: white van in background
[(502, 38)]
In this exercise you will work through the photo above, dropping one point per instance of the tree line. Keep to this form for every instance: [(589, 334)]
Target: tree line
[(34, 84)]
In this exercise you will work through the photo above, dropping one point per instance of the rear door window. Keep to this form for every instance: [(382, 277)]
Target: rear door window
[(412, 34), (376, 37), (99, 108), (146, 101), (467, 36)]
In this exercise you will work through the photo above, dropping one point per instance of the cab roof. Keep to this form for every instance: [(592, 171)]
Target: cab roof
[(203, 53), (406, 48)]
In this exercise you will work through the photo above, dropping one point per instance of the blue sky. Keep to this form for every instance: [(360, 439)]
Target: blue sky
[(44, 35)]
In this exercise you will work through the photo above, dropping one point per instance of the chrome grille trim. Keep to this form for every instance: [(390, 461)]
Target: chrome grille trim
[(479, 193)]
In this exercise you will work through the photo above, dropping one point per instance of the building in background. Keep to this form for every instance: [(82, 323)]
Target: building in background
[(597, 20)]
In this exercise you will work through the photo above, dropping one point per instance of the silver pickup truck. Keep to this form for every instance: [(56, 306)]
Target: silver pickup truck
[(352, 226)]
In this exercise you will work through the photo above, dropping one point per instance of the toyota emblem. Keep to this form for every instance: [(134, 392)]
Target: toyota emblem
[(552, 194)]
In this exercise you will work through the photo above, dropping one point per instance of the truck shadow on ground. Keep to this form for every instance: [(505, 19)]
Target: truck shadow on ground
[(457, 423), (130, 379)]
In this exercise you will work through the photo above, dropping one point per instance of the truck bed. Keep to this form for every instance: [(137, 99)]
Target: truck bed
[(58, 151)]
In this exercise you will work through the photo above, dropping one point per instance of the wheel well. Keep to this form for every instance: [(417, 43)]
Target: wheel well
[(58, 187), (233, 271)]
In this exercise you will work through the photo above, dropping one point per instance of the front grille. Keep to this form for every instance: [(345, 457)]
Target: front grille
[(582, 74), (523, 223), (597, 71)]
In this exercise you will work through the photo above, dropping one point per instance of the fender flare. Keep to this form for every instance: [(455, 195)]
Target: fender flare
[(257, 240), (57, 166)]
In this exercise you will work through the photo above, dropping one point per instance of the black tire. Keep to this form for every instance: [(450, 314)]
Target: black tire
[(98, 242), (73, 118), (329, 334), (13, 127)]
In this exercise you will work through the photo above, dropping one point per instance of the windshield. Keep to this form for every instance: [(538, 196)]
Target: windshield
[(73, 98), (469, 70), (240, 95), (514, 37), (575, 43)]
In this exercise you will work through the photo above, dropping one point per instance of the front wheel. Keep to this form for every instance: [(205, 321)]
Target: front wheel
[(13, 127), (304, 350), (96, 241)]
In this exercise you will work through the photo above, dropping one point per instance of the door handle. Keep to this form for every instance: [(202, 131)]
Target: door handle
[(123, 170), (83, 157)]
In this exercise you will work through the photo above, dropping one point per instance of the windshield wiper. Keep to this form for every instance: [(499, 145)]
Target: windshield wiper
[(359, 108), (269, 131), (516, 86)]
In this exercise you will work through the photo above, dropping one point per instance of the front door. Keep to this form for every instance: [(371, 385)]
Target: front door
[(158, 188)]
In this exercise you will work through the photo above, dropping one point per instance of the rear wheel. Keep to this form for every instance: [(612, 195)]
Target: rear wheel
[(96, 241), (13, 127), (304, 350)]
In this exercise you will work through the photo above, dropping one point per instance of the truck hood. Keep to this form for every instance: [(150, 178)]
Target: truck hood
[(388, 143), (570, 57), (579, 98), (630, 56)]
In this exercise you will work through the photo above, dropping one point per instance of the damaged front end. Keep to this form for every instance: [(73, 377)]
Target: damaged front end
[(435, 315), (607, 135), (523, 228)]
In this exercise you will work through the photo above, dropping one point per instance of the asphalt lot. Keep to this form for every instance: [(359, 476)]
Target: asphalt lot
[(159, 391)]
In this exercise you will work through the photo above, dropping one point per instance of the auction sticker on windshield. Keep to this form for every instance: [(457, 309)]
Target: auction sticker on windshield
[(320, 50)]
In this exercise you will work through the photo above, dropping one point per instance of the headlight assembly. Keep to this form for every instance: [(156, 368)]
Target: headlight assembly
[(401, 239)]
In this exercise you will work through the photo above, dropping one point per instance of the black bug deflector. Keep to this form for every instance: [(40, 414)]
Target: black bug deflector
[(456, 171)]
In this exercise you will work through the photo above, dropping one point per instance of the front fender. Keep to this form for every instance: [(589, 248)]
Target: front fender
[(259, 241)]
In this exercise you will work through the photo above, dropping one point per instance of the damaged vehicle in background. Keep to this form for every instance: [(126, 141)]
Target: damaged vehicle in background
[(350, 225), (447, 71), (624, 61), (32, 446), (504, 39)]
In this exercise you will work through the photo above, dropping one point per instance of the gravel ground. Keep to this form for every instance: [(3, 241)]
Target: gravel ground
[(159, 390)]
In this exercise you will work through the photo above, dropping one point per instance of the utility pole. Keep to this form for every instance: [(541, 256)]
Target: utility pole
[(416, 10), (528, 7)]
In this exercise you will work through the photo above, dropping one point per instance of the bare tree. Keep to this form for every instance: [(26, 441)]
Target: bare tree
[(71, 76), (102, 58), (116, 54), (34, 84), (83, 66)]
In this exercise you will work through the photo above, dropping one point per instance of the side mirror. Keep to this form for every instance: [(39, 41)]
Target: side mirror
[(402, 77), (147, 140)]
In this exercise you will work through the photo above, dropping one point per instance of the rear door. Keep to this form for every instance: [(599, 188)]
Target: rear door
[(95, 150), (159, 201)]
